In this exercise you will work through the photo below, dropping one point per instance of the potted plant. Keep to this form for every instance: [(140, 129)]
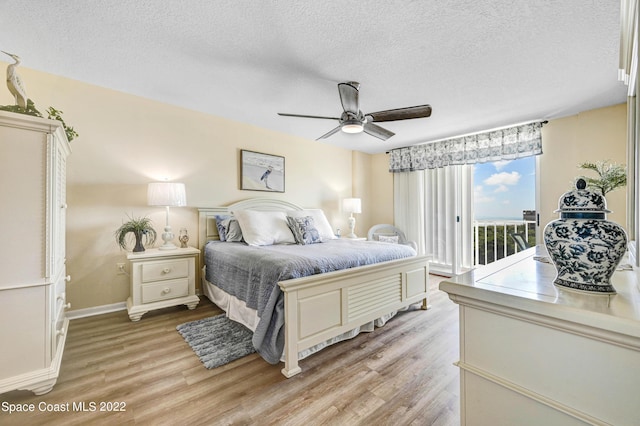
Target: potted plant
[(610, 176), (140, 228)]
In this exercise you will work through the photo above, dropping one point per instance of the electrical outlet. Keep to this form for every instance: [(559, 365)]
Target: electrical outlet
[(120, 267)]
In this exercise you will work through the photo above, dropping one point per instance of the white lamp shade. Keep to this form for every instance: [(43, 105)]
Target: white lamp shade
[(166, 194), (352, 205)]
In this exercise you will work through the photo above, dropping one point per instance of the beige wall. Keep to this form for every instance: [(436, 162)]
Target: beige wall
[(381, 199), (126, 142), (592, 136), (374, 184)]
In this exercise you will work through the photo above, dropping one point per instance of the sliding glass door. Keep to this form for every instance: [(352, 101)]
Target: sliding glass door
[(463, 215)]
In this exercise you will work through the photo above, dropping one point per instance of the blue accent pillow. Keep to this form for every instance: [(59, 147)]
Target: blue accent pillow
[(304, 230), (222, 231), (228, 229)]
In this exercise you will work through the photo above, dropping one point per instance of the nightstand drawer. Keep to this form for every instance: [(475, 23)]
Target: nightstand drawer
[(165, 270), (165, 290)]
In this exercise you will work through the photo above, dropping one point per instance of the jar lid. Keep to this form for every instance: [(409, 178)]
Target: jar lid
[(582, 200)]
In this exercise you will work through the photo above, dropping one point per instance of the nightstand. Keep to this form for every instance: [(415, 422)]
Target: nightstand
[(162, 278)]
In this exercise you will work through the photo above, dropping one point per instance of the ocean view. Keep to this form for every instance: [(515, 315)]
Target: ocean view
[(502, 190)]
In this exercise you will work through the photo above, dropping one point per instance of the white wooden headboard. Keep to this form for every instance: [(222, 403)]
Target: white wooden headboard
[(207, 229)]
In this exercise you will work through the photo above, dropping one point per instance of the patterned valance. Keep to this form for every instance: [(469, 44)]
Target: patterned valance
[(504, 144)]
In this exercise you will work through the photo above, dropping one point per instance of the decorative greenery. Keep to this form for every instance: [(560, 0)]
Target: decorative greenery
[(52, 114), (140, 227), (610, 176), (56, 114), (31, 109)]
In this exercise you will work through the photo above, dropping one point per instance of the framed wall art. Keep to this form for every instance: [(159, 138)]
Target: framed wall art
[(261, 172)]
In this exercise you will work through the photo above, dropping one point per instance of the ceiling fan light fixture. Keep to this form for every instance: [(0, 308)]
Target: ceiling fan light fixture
[(353, 120), (352, 126)]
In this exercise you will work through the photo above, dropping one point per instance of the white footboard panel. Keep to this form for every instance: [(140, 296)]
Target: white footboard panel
[(323, 306)]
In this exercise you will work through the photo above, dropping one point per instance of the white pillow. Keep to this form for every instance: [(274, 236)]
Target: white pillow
[(319, 219), (264, 228)]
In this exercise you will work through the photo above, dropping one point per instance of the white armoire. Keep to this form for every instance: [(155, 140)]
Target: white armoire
[(33, 325)]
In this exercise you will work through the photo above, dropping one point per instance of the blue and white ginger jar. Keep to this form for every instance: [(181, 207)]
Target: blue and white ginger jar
[(584, 247)]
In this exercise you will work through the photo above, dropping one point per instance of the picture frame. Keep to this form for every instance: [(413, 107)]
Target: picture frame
[(261, 172)]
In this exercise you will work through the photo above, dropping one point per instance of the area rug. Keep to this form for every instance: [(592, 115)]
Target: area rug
[(217, 340)]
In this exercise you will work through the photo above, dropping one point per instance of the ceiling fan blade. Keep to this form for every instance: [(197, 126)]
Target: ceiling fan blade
[(330, 132), (307, 116), (377, 131), (349, 96), (420, 111)]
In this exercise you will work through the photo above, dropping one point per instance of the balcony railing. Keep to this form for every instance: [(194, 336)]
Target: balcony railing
[(492, 238)]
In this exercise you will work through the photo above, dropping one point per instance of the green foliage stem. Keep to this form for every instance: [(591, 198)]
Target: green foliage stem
[(610, 176), (56, 114)]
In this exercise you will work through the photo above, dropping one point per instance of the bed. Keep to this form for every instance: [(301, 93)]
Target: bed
[(317, 309)]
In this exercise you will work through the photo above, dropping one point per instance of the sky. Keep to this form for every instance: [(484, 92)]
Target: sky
[(503, 189)]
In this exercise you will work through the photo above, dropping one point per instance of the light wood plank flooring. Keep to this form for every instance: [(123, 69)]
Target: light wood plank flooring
[(401, 374)]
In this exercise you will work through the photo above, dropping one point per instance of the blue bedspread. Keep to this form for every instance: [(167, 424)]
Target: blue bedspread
[(252, 274)]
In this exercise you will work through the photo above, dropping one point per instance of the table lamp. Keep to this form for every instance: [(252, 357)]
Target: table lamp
[(351, 206), (167, 194)]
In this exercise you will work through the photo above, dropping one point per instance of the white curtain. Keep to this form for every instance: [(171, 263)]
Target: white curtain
[(409, 206), (628, 66), (628, 72)]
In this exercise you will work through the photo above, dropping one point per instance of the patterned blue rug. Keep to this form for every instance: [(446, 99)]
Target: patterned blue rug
[(217, 340)]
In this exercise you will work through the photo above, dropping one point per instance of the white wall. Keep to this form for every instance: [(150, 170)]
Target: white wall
[(126, 142)]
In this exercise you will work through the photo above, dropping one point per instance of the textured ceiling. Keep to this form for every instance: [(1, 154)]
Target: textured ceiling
[(480, 64)]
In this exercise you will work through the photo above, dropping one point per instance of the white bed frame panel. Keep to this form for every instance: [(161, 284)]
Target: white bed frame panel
[(320, 307)]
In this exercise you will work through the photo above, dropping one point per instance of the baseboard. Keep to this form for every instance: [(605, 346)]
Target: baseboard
[(104, 309), (96, 310)]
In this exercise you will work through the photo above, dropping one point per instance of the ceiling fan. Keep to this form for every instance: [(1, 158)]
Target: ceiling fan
[(353, 120)]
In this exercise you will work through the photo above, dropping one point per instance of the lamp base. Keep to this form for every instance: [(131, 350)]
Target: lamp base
[(167, 236), (168, 246), (352, 228)]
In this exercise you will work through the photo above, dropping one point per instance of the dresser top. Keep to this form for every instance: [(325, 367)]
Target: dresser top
[(524, 283)]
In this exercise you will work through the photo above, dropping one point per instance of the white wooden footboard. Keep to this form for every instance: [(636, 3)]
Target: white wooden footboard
[(319, 307)]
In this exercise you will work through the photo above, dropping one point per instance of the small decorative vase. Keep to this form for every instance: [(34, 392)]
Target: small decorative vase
[(138, 247), (584, 247), (183, 238)]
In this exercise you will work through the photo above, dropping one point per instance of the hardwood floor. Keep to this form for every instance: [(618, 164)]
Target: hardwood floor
[(401, 374)]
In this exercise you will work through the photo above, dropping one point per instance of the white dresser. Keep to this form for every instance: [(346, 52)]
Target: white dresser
[(33, 326), (534, 354)]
